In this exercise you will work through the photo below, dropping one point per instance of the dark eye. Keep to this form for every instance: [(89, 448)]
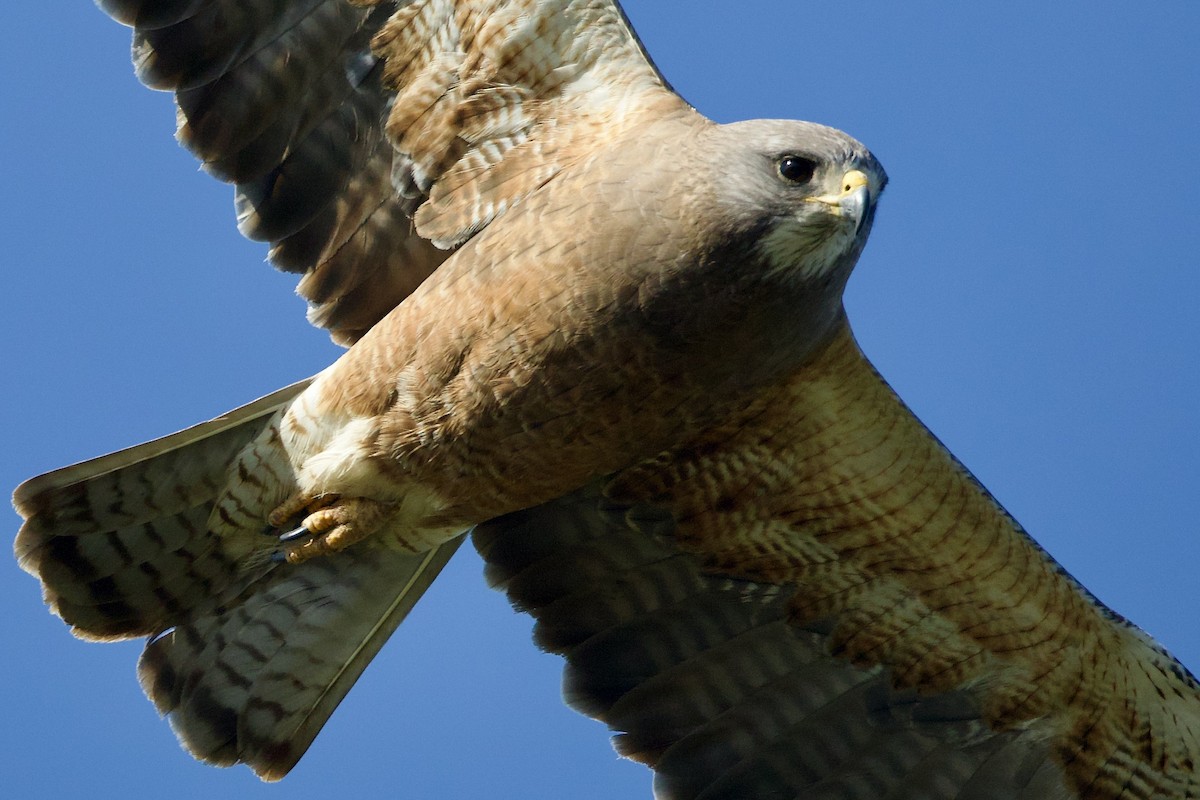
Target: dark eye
[(797, 169)]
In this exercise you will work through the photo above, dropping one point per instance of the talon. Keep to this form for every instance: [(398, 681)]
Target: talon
[(299, 505), (334, 527), (278, 557), (293, 535)]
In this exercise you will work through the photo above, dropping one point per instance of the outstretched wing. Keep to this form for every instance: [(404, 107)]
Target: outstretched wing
[(818, 601), (484, 101)]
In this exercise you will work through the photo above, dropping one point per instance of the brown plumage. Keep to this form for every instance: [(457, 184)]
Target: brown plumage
[(639, 385)]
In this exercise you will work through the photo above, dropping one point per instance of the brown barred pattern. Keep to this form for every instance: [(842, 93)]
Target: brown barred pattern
[(763, 572)]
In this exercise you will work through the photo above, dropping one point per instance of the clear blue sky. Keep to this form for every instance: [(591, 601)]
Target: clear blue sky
[(1030, 289)]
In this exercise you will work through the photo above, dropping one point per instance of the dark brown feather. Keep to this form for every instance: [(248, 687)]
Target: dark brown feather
[(283, 99), (704, 678)]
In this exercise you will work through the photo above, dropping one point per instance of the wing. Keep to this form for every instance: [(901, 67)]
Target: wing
[(286, 100), (817, 600)]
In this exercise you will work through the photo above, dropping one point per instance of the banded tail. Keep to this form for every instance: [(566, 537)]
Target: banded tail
[(247, 657)]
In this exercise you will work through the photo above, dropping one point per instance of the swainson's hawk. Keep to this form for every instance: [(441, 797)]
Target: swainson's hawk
[(635, 380)]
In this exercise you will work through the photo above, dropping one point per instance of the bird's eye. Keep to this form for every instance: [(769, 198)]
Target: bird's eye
[(797, 169)]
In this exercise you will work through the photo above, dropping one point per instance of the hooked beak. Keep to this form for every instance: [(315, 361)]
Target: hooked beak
[(852, 201)]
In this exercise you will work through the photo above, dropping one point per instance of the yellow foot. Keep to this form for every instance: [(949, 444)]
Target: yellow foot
[(332, 523)]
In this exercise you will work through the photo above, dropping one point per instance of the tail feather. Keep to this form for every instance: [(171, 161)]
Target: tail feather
[(121, 542), (253, 681), (247, 657)]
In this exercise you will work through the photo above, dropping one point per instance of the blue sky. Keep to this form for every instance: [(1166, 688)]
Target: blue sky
[(1029, 289)]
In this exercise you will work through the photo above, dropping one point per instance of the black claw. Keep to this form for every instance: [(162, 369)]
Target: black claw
[(293, 535), (278, 557)]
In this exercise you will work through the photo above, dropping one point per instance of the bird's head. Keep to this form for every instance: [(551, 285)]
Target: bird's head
[(784, 213), (806, 192)]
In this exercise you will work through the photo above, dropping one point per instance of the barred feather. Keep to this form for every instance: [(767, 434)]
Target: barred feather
[(247, 657), (705, 680)]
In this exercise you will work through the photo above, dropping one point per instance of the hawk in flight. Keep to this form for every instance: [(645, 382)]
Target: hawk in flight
[(604, 337)]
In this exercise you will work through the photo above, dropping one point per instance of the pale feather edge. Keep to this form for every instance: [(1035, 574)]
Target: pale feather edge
[(27, 492)]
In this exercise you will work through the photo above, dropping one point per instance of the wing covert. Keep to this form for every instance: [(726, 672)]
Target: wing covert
[(494, 98)]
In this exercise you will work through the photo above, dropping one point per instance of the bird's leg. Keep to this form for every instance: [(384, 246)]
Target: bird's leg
[(332, 523)]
